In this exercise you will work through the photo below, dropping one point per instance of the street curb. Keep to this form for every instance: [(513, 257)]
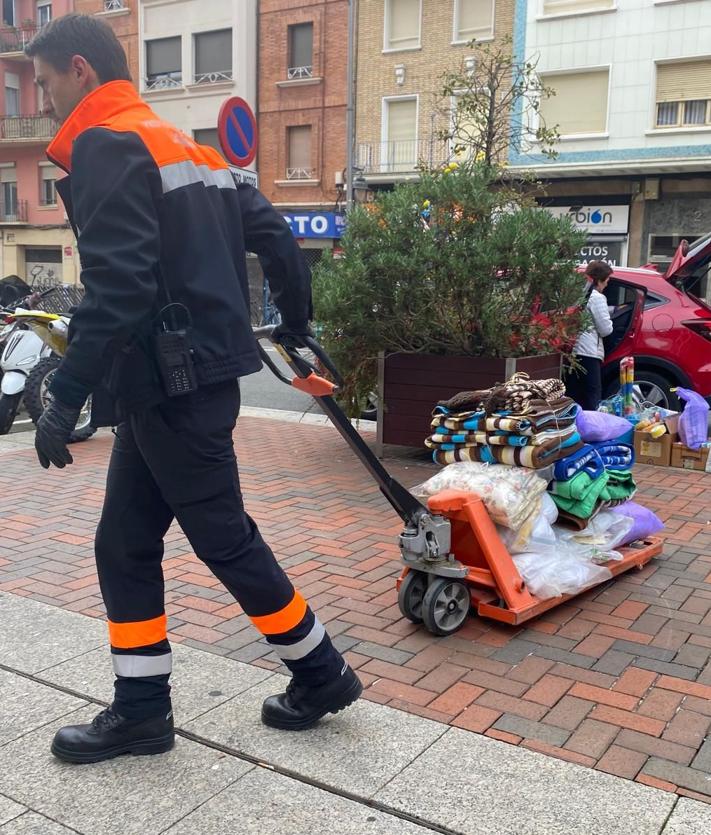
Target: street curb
[(302, 417)]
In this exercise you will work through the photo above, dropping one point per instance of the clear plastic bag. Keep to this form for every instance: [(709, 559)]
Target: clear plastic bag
[(512, 495), (604, 533), (559, 571), (535, 537)]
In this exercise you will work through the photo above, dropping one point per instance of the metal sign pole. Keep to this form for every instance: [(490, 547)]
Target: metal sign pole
[(350, 111)]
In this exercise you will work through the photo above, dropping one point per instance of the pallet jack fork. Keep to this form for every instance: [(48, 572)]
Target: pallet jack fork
[(453, 558)]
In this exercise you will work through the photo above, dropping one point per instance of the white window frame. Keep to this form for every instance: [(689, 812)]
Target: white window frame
[(384, 122), (40, 4), (42, 166), (456, 40), (222, 77), (386, 32), (655, 129), (453, 107), (575, 137), (558, 15)]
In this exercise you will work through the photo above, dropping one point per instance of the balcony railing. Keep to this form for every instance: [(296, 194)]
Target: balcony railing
[(401, 157), (114, 5), (164, 81), (15, 40), (294, 73), (27, 127), (13, 212), (213, 77), (300, 174)]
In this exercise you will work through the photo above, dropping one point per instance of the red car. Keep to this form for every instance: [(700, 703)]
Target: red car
[(660, 321)]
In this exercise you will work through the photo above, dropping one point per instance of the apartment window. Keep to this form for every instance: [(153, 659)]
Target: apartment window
[(12, 94), (48, 180), (163, 64), (301, 50), (213, 57), (114, 5), (209, 137), (44, 13), (556, 7), (580, 104), (466, 129), (8, 194), (684, 94), (299, 165), (402, 24), (8, 12), (401, 141), (473, 19)]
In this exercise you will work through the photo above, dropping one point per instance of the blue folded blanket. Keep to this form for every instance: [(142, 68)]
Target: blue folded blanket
[(614, 455), (586, 459)]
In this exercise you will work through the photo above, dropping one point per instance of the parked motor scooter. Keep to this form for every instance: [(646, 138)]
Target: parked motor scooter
[(29, 361), (21, 351)]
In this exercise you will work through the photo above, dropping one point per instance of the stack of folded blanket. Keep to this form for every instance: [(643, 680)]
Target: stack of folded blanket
[(593, 477), (523, 423)]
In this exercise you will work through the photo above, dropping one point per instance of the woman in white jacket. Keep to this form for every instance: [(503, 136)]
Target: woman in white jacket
[(584, 384)]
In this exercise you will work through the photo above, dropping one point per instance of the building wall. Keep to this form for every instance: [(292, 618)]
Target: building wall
[(46, 226), (630, 40), (423, 65), (320, 103), (196, 107), (123, 21)]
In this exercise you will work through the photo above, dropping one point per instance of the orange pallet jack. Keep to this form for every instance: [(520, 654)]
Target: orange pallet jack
[(454, 560)]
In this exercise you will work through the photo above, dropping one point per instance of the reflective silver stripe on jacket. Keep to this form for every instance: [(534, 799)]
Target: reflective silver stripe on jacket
[(292, 652), (187, 173), (138, 666)]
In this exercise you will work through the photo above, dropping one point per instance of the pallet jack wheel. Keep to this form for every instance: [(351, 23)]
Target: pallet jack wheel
[(445, 606), (411, 594)]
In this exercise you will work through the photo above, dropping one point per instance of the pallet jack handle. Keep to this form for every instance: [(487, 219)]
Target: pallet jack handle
[(308, 379)]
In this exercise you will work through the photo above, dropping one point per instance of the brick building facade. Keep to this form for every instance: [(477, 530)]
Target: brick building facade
[(302, 70), (122, 17), (403, 48)]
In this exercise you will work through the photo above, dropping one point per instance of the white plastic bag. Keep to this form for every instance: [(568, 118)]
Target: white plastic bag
[(535, 537), (559, 571), (604, 533), (512, 495)]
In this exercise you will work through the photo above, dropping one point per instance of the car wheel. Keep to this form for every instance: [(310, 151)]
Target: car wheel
[(370, 412), (649, 387)]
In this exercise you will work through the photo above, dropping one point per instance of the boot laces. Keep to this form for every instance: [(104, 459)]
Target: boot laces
[(295, 692), (106, 720)]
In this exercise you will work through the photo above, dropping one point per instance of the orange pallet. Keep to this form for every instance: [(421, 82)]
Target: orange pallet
[(496, 588)]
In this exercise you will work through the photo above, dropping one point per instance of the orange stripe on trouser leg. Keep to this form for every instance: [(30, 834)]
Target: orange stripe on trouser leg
[(140, 633), (283, 620)]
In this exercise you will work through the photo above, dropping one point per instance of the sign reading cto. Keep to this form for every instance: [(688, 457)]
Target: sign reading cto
[(316, 224)]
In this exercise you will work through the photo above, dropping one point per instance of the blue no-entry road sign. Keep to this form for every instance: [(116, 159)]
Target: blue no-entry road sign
[(237, 129)]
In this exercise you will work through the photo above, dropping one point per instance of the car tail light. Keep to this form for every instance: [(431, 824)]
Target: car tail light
[(700, 326)]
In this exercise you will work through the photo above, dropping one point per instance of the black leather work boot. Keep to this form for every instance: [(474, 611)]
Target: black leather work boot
[(300, 707), (110, 735)]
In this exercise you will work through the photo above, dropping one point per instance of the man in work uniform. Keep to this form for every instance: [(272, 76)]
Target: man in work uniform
[(162, 229)]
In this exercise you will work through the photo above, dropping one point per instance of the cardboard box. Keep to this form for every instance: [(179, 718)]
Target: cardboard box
[(655, 451), (689, 459)]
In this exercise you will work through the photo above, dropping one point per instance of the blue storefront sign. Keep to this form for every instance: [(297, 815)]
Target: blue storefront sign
[(316, 224)]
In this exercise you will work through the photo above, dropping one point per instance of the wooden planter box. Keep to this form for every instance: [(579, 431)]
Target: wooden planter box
[(410, 385)]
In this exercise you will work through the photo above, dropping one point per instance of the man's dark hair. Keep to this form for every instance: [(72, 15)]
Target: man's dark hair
[(598, 271), (75, 34)]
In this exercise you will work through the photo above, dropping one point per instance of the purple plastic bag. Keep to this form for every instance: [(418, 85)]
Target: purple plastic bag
[(694, 420), (595, 427), (645, 521)]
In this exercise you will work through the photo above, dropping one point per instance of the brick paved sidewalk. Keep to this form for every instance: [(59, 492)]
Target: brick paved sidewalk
[(618, 679)]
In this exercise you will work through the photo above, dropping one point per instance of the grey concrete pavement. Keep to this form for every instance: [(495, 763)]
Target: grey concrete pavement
[(371, 769)]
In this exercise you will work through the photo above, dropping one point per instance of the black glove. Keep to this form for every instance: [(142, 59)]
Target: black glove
[(54, 428), (292, 335)]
